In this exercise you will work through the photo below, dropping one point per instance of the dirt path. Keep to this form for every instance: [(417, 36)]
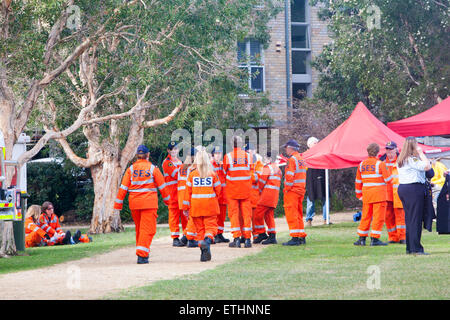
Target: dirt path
[(98, 276)]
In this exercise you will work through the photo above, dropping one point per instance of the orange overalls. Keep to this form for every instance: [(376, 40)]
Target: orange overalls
[(52, 227), (371, 187), (395, 215), (201, 199), (141, 180), (238, 169), (269, 185), (218, 169), (171, 166), (294, 191), (256, 193), (34, 235), (183, 174)]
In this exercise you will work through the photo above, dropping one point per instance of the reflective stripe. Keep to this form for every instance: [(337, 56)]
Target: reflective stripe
[(289, 173), (235, 229), (288, 184), (271, 229), (239, 168), (390, 164), (255, 187), (165, 174), (401, 227), (209, 234), (183, 178), (143, 249), (259, 227), (223, 184), (166, 198), (191, 233), (139, 183), (262, 181), (143, 190), (175, 233), (189, 184), (376, 232), (203, 196), (274, 178), (118, 201), (247, 229), (36, 229), (358, 191), (363, 232), (123, 187), (238, 178), (186, 203), (300, 171), (217, 184), (389, 179), (174, 172), (271, 187), (171, 183), (358, 181), (377, 167), (297, 231), (221, 228), (374, 184), (395, 186), (181, 188), (299, 181), (375, 175), (391, 230)]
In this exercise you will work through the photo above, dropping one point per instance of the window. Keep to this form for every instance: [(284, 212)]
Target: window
[(250, 58), (300, 60), (298, 11), (300, 90), (299, 36)]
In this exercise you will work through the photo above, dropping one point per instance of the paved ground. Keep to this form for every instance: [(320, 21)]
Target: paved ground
[(116, 270)]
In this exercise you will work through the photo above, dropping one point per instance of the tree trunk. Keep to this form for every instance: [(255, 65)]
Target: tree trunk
[(8, 246), (106, 178)]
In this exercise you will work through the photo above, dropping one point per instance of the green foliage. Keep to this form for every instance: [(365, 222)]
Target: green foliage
[(398, 69)]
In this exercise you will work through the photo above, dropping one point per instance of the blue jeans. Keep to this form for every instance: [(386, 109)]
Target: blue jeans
[(310, 209)]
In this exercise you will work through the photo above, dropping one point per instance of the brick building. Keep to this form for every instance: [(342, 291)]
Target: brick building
[(283, 69)]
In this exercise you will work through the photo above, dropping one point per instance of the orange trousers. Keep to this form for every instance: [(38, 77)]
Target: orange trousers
[(293, 209), (206, 226), (175, 215), (395, 223), (190, 231), (32, 239), (240, 214), (261, 214), (221, 218), (372, 213), (145, 223)]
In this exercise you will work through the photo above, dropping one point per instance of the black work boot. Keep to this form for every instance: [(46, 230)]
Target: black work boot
[(205, 250), (248, 243), (77, 236), (270, 240), (295, 241), (67, 237), (142, 260), (260, 237), (402, 242), (302, 240), (236, 243), (177, 243), (220, 238), (242, 239), (377, 242), (184, 240), (192, 244), (360, 242)]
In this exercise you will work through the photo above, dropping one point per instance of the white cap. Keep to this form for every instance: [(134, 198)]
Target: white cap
[(311, 141)]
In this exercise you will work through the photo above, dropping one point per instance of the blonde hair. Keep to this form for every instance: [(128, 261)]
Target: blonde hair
[(33, 211), (203, 164), (409, 150)]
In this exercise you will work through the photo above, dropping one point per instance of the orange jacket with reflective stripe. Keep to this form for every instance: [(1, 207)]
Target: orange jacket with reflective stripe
[(49, 225), (171, 166), (218, 169), (390, 167), (269, 184), (238, 169), (183, 174), (393, 183), (30, 226), (142, 180), (201, 196), (371, 181), (257, 172), (295, 174)]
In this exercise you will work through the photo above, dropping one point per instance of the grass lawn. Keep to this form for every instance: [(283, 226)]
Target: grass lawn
[(47, 256), (328, 267)]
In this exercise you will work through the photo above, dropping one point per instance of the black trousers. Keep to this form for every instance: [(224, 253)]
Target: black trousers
[(413, 200)]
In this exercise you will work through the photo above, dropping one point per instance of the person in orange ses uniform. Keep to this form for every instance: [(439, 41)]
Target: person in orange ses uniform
[(293, 194), (371, 187), (183, 174), (395, 215), (217, 163), (238, 168), (35, 236), (49, 222), (203, 189), (269, 184), (141, 180), (171, 165)]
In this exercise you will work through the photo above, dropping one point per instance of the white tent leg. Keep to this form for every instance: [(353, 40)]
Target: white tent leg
[(327, 195)]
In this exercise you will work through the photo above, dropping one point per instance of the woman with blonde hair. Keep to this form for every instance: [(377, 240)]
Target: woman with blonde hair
[(201, 199), (412, 165), (35, 236)]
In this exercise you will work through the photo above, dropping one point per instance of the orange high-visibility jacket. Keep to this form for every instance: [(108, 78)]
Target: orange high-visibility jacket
[(393, 185), (142, 180), (371, 181), (30, 226), (257, 172), (238, 167), (390, 167), (218, 169), (295, 174), (183, 174), (201, 196), (49, 225), (269, 184), (171, 166)]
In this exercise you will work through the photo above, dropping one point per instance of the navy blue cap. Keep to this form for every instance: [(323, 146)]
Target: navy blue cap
[(172, 144), (193, 151), (249, 146), (142, 149), (391, 145), (216, 149), (292, 143)]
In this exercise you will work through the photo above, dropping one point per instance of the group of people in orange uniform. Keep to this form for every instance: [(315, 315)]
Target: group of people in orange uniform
[(201, 191)]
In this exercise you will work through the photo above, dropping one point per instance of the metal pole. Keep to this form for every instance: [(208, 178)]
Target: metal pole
[(288, 59), (327, 195)]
